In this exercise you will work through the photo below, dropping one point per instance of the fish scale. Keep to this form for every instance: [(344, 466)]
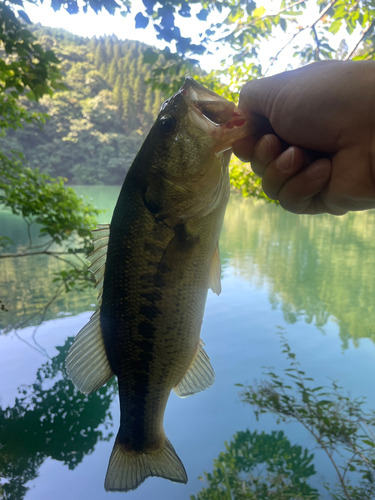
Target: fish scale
[(153, 279)]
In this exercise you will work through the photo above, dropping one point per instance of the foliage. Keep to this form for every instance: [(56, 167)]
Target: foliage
[(260, 466), (45, 201), (65, 222), (50, 418), (94, 131), (341, 426), (247, 26), (245, 181), (25, 69)]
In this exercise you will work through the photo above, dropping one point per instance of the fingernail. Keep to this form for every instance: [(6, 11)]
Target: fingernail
[(285, 161), (318, 170), (263, 152)]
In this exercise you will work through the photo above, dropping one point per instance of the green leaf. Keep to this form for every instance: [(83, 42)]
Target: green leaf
[(335, 27), (370, 443), (282, 24), (259, 12)]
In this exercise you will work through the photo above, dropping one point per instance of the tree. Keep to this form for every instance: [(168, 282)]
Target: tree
[(247, 26), (58, 422), (29, 70), (260, 466), (341, 426), (25, 69), (64, 220)]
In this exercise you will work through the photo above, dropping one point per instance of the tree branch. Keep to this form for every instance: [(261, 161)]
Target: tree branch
[(29, 233), (317, 41), (310, 26), (361, 39), (56, 256), (275, 57), (41, 252)]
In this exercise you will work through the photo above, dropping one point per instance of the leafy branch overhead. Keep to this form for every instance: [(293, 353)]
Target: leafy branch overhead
[(40, 199), (246, 27), (246, 23), (25, 69), (64, 221)]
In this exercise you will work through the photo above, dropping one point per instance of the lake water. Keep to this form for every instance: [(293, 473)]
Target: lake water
[(312, 276)]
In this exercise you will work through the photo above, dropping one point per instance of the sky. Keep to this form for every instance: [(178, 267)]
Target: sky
[(91, 24)]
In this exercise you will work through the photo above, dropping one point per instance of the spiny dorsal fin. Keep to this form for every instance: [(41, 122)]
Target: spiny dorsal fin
[(99, 256), (215, 272), (87, 364), (200, 375), (127, 470)]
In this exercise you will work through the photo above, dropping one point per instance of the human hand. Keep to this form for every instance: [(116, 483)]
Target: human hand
[(325, 110)]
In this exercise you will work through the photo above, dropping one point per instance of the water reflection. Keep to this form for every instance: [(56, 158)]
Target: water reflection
[(50, 419), (262, 466), (315, 268), (26, 287)]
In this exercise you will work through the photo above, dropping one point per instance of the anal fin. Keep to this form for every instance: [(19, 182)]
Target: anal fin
[(200, 375), (87, 364)]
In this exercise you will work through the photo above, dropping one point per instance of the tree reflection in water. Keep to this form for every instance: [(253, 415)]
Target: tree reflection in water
[(58, 422), (315, 268), (262, 466)]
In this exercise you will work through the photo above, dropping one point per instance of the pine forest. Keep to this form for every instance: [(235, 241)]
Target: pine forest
[(94, 130)]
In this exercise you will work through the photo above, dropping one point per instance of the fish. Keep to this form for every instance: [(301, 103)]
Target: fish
[(153, 266)]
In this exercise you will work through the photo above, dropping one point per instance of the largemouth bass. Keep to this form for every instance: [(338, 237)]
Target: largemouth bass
[(153, 266)]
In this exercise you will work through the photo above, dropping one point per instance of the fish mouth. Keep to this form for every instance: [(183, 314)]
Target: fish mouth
[(214, 115)]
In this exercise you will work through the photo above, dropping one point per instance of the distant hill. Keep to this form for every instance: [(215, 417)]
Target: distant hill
[(97, 127)]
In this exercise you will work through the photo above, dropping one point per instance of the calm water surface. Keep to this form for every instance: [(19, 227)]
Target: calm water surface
[(313, 276)]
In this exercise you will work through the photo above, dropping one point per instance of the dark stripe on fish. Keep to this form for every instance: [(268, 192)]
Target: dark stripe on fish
[(150, 312), (133, 433)]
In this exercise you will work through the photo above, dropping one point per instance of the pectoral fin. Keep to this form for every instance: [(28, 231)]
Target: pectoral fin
[(215, 272), (200, 375), (176, 256)]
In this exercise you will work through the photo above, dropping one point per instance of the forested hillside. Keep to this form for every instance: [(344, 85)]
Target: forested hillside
[(97, 126)]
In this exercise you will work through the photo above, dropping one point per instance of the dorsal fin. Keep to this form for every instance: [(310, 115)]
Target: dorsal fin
[(99, 256)]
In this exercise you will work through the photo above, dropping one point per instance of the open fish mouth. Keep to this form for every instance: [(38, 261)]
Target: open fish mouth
[(214, 115), (204, 114)]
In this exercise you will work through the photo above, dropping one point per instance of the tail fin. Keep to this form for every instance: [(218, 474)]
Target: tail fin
[(127, 470)]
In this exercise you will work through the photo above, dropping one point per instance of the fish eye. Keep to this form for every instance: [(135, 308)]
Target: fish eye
[(168, 125)]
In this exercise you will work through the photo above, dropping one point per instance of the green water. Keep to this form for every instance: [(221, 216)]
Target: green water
[(315, 268), (314, 276)]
